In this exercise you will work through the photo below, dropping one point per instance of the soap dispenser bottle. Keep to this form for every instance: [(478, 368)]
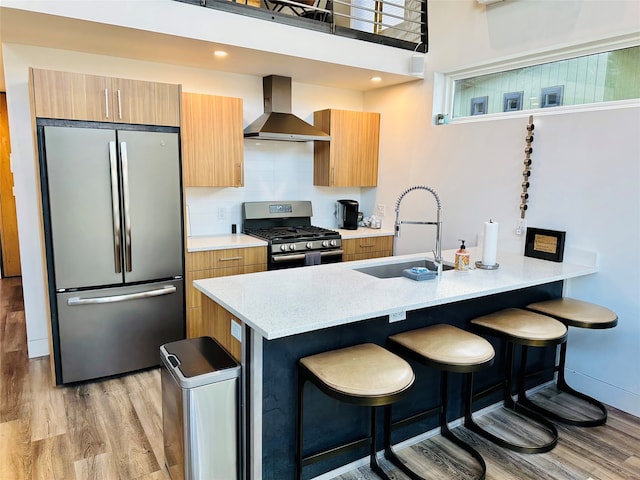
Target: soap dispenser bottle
[(462, 258)]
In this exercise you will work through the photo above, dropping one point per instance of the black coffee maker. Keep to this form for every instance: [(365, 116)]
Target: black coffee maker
[(347, 214)]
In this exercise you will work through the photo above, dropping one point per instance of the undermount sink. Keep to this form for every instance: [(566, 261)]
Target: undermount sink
[(393, 270)]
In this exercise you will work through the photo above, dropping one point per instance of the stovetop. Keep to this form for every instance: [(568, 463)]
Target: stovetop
[(292, 233)]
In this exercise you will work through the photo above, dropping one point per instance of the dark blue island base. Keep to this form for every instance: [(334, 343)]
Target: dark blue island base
[(329, 422)]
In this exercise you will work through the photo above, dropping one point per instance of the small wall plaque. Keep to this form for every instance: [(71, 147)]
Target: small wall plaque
[(544, 244)]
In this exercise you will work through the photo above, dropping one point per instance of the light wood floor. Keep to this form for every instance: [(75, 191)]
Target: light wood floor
[(112, 429)]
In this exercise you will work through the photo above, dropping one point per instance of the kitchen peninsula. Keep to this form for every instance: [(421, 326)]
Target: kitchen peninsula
[(288, 314)]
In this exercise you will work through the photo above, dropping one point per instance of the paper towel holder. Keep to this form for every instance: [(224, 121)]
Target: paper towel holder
[(482, 266)]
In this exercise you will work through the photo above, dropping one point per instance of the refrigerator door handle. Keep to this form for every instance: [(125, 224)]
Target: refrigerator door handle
[(125, 197), (166, 290), (115, 205)]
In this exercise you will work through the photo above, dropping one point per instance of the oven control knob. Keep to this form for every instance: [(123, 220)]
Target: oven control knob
[(292, 246), (309, 245), (333, 243), (325, 243), (283, 248)]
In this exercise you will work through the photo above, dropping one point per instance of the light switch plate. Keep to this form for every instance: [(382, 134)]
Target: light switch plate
[(236, 330), (397, 316)]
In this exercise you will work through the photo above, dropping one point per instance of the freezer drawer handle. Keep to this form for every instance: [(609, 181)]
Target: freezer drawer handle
[(166, 290)]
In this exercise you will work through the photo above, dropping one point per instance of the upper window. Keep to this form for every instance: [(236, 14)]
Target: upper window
[(601, 77)]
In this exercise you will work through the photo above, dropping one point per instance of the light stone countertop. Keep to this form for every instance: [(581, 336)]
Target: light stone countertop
[(286, 302), (221, 242), (363, 232)]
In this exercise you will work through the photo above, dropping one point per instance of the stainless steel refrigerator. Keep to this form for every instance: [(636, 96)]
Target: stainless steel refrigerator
[(112, 203)]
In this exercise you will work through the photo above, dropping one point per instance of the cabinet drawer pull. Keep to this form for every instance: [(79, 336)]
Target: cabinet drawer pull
[(367, 245), (230, 258), (106, 103)]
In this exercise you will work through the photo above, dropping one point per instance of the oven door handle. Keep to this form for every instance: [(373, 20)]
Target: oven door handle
[(301, 256)]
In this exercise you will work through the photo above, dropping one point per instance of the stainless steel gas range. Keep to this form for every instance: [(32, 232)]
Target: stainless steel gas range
[(293, 241)]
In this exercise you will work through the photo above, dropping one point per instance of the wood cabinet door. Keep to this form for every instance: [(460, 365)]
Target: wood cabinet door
[(76, 96), (8, 219), (355, 151), (216, 263), (350, 159), (71, 96), (145, 103), (212, 141)]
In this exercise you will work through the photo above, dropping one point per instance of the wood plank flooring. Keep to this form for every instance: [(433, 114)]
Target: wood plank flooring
[(112, 429)]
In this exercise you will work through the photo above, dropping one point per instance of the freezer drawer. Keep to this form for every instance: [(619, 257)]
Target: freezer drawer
[(116, 330)]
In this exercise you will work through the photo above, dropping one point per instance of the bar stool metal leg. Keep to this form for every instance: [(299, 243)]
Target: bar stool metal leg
[(448, 349), (444, 431), (562, 385), (578, 314), (373, 451), (511, 404)]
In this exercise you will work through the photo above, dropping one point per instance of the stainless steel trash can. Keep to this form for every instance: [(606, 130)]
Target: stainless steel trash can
[(200, 392)]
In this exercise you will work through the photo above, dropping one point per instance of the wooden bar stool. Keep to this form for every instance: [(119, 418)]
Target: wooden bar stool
[(449, 349), (581, 314), (366, 375), (515, 326)]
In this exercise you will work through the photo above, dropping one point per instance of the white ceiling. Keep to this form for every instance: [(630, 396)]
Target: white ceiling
[(29, 28)]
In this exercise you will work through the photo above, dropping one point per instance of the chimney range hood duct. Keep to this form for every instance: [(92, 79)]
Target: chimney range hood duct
[(277, 122)]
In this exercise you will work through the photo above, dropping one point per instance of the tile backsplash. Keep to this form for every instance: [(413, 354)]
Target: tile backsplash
[(273, 170)]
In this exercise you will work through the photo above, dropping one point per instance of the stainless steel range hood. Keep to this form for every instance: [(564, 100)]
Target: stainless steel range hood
[(277, 122)]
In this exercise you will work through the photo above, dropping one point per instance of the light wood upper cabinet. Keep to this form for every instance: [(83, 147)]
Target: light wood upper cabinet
[(350, 158), (148, 103), (76, 96), (212, 141)]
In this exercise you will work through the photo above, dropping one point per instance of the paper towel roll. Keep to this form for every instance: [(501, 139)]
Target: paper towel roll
[(490, 244)]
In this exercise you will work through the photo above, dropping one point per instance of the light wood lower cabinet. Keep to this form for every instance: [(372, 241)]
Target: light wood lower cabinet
[(201, 317), (367, 247)]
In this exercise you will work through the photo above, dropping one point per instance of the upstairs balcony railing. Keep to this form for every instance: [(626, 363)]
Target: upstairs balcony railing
[(396, 23)]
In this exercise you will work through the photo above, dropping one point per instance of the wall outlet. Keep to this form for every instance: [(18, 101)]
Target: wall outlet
[(521, 228), (397, 316), (236, 330), (380, 209), (221, 213)]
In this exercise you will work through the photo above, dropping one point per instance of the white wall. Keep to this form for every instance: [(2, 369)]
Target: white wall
[(585, 172)]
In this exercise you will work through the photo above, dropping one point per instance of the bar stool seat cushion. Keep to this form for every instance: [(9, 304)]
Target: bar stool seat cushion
[(522, 324), (577, 313), (365, 370), (447, 345)]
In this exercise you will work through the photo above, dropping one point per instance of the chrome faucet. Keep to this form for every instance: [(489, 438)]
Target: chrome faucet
[(438, 223)]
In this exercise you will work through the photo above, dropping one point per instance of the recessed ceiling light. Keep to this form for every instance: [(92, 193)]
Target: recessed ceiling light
[(220, 53), (376, 79)]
